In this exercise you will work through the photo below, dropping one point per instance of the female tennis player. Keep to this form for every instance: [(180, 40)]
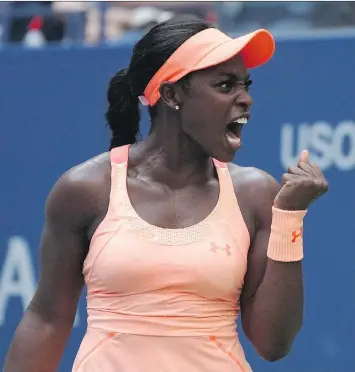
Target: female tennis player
[(172, 240)]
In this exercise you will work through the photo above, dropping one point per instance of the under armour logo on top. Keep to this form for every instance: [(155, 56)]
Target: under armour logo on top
[(296, 235), (226, 248)]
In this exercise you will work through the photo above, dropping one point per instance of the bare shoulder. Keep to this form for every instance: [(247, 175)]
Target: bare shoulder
[(80, 193), (251, 180), (255, 190)]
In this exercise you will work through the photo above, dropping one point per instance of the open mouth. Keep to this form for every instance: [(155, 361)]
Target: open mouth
[(234, 131)]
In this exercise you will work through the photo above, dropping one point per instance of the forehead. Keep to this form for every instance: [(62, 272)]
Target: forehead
[(234, 66)]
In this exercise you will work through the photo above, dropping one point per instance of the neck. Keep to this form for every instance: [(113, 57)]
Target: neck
[(168, 156)]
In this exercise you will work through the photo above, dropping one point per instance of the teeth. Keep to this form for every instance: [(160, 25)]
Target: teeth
[(242, 120)]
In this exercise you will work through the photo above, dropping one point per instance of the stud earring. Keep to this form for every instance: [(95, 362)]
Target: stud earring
[(177, 107)]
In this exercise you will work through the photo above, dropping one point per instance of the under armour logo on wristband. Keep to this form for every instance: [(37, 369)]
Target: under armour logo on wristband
[(227, 248), (296, 235)]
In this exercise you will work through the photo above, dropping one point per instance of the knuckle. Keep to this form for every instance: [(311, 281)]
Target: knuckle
[(325, 185), (285, 177)]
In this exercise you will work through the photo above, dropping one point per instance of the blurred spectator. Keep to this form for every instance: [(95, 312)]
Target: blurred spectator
[(83, 19), (126, 21), (142, 20), (334, 14), (22, 14), (199, 8)]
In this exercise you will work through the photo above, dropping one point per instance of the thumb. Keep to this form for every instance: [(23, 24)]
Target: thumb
[(304, 157)]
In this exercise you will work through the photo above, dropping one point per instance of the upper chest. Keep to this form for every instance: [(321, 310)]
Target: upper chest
[(169, 208), (174, 208)]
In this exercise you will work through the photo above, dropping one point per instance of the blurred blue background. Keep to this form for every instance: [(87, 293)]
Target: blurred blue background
[(53, 83)]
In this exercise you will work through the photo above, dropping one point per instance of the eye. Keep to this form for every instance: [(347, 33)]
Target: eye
[(226, 86), (247, 84)]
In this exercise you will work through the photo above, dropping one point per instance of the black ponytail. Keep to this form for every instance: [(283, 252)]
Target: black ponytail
[(149, 54), (123, 111)]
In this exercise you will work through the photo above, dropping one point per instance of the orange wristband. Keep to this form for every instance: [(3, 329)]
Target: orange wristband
[(286, 237)]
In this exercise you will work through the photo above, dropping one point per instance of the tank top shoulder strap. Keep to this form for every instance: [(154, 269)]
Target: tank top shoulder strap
[(119, 155), (119, 163), (225, 180)]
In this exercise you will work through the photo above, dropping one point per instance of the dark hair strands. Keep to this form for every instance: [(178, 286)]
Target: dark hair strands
[(149, 54)]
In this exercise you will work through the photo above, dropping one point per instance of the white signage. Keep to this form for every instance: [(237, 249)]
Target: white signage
[(329, 145), (17, 277)]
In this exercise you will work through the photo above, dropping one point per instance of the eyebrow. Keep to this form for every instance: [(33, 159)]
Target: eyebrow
[(233, 76)]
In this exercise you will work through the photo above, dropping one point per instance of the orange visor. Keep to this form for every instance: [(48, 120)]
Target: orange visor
[(206, 49)]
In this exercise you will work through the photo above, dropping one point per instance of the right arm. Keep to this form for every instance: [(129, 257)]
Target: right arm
[(41, 336)]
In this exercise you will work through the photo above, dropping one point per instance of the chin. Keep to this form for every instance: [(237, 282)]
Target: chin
[(224, 156)]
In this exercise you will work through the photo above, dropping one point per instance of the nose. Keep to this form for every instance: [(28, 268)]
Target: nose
[(244, 99)]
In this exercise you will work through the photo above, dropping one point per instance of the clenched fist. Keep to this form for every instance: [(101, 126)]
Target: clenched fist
[(302, 185)]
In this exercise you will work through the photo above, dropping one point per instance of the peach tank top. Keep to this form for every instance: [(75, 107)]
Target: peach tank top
[(164, 300)]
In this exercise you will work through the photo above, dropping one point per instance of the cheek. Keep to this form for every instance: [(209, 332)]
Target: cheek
[(206, 112), (215, 102), (201, 116), (208, 106), (203, 125)]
